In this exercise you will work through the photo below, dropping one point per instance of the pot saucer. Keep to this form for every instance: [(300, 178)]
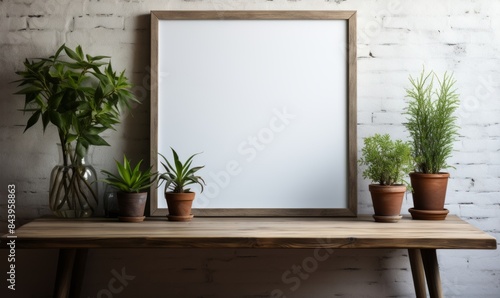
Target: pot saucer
[(131, 218), (387, 218), (180, 217), (428, 214)]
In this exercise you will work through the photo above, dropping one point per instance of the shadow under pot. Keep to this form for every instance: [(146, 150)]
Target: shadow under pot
[(429, 194), (179, 205)]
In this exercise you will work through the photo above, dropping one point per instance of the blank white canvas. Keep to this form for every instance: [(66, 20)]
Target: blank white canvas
[(265, 101)]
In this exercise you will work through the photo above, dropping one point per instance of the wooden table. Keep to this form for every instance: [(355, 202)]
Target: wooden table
[(74, 237)]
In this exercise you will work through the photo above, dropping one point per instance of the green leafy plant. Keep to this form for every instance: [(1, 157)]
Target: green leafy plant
[(130, 178), (180, 175), (81, 95), (431, 120), (387, 161)]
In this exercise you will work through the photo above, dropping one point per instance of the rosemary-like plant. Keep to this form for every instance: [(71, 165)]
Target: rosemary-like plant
[(387, 161), (431, 120)]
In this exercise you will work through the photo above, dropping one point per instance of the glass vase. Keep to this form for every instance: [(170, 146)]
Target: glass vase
[(73, 185), (110, 201)]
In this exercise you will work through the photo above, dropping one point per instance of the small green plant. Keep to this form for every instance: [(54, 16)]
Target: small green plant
[(179, 176), (431, 121), (387, 161), (129, 178)]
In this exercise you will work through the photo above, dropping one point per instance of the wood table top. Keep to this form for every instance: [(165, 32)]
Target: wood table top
[(251, 232)]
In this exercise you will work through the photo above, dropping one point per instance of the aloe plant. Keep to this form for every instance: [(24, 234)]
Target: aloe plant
[(179, 175), (130, 178), (431, 120)]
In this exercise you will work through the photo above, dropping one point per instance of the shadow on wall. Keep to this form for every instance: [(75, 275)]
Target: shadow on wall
[(134, 130)]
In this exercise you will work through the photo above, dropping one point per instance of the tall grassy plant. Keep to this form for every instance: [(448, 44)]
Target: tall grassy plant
[(431, 120)]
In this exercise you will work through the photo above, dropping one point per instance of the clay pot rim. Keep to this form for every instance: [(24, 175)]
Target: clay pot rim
[(387, 188), (430, 176), (180, 196), (128, 193)]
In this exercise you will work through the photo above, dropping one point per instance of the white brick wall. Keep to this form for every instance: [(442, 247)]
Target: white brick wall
[(395, 39)]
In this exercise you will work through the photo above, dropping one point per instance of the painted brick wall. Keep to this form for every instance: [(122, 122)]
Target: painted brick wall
[(395, 39)]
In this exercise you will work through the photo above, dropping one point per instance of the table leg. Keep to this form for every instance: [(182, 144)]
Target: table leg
[(78, 272), (64, 271), (431, 266), (70, 269), (417, 270)]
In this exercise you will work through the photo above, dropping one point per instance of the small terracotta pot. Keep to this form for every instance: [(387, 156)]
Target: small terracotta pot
[(429, 190), (131, 206), (179, 205), (387, 200)]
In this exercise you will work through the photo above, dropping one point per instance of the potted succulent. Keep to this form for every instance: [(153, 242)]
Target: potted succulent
[(81, 96), (177, 177), (432, 126), (387, 163), (132, 184)]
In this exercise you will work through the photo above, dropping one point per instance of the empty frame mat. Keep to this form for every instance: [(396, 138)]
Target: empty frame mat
[(268, 100)]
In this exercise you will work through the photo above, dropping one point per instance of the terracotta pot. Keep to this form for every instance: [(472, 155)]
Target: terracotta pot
[(387, 201), (131, 206), (179, 205), (429, 190)]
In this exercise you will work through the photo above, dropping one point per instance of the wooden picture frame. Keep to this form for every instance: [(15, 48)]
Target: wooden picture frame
[(276, 87)]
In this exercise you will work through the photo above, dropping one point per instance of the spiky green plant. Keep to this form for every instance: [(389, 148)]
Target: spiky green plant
[(387, 161), (180, 175), (130, 178), (431, 120)]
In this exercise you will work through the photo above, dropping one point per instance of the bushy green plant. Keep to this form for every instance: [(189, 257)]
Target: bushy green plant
[(180, 175), (387, 161), (80, 94), (130, 178), (431, 120)]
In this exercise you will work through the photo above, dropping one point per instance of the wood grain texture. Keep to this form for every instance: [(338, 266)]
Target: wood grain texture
[(352, 113), (254, 14), (306, 212), (153, 148), (418, 273), (431, 266), (247, 232)]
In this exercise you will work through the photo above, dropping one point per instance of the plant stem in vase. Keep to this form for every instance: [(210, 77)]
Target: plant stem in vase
[(73, 185)]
